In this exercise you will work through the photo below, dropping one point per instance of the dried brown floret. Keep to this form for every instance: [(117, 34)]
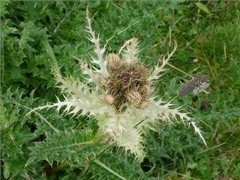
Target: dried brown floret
[(127, 83)]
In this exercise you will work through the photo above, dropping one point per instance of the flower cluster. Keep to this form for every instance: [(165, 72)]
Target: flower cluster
[(119, 94), (127, 82)]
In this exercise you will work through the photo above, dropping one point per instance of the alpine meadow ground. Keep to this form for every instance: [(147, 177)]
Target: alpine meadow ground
[(135, 90)]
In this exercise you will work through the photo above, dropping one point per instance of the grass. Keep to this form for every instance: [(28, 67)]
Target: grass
[(208, 41)]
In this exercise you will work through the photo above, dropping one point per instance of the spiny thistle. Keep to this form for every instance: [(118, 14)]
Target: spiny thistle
[(122, 96)]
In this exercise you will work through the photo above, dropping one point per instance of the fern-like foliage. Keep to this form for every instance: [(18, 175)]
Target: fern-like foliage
[(69, 146), (16, 135)]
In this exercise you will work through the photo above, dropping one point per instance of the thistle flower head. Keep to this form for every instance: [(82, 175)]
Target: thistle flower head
[(122, 99), (127, 82)]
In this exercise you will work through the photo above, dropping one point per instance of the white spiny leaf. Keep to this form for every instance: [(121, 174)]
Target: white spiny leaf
[(127, 127)]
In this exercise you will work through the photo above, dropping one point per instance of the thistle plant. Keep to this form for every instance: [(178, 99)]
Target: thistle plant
[(119, 94)]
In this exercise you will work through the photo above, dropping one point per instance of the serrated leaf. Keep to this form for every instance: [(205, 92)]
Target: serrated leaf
[(73, 146)]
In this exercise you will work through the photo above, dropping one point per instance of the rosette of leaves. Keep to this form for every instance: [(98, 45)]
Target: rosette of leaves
[(118, 92)]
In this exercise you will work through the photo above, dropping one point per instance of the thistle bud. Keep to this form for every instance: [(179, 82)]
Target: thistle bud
[(109, 99), (134, 97), (114, 62), (144, 104)]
